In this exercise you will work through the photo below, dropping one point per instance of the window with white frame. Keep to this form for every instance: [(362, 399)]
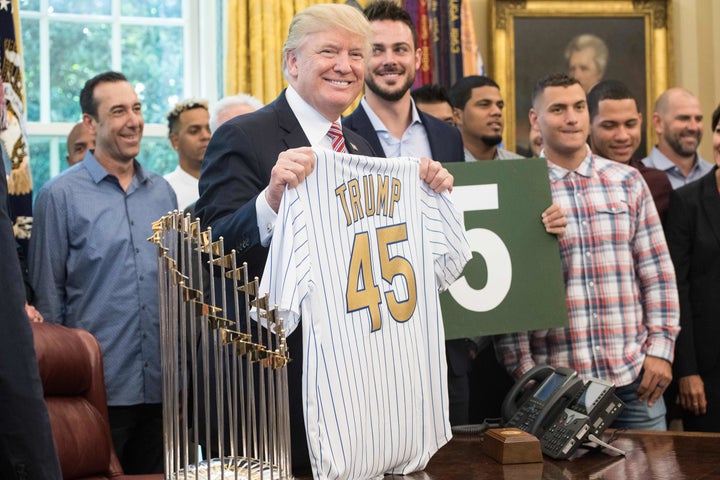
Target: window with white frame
[(168, 49)]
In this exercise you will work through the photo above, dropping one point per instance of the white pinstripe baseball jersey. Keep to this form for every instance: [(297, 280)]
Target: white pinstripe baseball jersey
[(360, 250)]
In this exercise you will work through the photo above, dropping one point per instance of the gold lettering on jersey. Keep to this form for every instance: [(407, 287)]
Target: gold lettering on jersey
[(376, 197)]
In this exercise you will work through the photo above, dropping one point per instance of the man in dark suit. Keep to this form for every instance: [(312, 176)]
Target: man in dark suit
[(27, 450), (692, 229), (387, 116), (253, 157)]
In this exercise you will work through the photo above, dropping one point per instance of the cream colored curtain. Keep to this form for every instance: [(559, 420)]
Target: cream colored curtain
[(256, 32)]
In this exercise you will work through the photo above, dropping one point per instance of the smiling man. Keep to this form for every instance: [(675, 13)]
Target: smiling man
[(619, 280), (387, 116), (616, 132), (252, 158), (92, 267), (478, 112), (678, 123)]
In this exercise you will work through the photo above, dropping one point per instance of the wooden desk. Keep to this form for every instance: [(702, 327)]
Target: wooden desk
[(649, 456)]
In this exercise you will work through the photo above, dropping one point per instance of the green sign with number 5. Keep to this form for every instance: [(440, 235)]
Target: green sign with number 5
[(514, 280)]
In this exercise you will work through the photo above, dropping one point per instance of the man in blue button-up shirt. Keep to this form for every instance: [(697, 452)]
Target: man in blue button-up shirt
[(677, 119), (93, 268)]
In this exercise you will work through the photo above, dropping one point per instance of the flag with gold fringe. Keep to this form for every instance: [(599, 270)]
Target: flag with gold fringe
[(12, 120)]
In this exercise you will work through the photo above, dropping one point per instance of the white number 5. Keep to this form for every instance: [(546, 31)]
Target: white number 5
[(489, 246)]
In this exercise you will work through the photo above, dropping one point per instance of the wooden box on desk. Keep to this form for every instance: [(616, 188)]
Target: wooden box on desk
[(511, 445)]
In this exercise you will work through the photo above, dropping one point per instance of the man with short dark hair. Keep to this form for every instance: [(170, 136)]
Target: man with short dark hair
[(433, 100), (92, 267), (189, 134), (678, 122), (387, 116), (478, 110), (616, 132), (620, 287)]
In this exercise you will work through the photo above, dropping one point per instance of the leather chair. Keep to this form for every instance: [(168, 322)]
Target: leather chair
[(71, 369)]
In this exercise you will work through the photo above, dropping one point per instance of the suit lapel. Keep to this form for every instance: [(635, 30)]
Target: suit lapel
[(294, 135), (433, 140), (360, 123), (710, 202)]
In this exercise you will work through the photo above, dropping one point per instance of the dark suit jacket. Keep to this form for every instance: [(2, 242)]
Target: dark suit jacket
[(236, 168), (692, 229), (445, 141), (27, 450)]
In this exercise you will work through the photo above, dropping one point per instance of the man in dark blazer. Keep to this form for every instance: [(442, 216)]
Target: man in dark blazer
[(387, 116), (692, 229), (252, 158), (27, 450)]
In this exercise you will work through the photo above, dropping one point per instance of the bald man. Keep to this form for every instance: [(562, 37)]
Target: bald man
[(678, 122), (79, 140)]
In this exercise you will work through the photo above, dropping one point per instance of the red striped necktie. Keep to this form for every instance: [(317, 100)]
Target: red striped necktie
[(336, 137)]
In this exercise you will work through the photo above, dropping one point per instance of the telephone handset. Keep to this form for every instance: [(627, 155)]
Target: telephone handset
[(533, 408), (557, 407)]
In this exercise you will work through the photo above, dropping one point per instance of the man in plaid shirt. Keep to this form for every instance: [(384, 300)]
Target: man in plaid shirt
[(619, 279)]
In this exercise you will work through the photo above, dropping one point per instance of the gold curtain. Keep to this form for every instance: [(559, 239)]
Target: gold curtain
[(256, 32)]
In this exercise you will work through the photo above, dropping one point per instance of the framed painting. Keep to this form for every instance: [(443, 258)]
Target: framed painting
[(592, 40)]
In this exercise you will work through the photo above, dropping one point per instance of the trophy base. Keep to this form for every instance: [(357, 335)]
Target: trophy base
[(231, 469)]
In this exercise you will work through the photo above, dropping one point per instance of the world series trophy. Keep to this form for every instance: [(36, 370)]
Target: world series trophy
[(243, 409)]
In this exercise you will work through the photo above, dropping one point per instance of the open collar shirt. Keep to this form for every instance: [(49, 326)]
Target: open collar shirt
[(677, 178), (619, 280), (92, 267), (414, 141)]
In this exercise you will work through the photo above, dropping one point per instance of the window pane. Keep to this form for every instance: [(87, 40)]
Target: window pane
[(93, 7), (157, 156), (152, 8), (30, 5), (152, 61), (77, 52), (39, 162), (31, 58)]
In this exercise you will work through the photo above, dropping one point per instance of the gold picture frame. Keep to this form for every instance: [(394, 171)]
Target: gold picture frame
[(529, 39)]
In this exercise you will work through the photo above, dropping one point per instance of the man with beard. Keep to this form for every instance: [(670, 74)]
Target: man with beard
[(389, 120), (677, 119), (387, 116), (478, 112)]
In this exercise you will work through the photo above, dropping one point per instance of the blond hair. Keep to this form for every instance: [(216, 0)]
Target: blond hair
[(324, 17)]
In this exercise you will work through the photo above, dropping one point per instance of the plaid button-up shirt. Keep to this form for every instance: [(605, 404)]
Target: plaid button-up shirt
[(619, 279)]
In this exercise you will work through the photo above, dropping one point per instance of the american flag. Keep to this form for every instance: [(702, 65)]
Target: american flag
[(13, 127)]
